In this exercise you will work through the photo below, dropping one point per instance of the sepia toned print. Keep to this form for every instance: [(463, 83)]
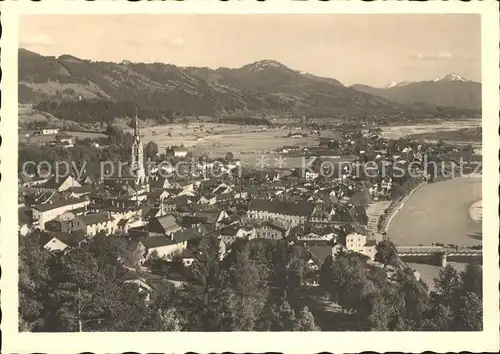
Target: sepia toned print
[(256, 174)]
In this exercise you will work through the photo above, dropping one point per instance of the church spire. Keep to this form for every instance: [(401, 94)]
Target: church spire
[(137, 155), (136, 124)]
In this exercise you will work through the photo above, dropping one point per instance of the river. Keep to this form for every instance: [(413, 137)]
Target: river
[(438, 212)]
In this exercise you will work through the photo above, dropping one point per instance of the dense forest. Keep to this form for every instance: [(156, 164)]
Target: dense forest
[(102, 110), (84, 290), (257, 287)]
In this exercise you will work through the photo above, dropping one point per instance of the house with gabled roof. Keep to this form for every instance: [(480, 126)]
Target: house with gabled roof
[(159, 184), (222, 188), (49, 211), (209, 216), (318, 235), (187, 257), (61, 241), (157, 196), (185, 235), (165, 225), (79, 192), (92, 224), (163, 246), (230, 234), (124, 224), (58, 184), (292, 212), (318, 255), (188, 221), (271, 229)]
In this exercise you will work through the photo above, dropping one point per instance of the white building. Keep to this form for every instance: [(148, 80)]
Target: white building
[(180, 151), (50, 131), (361, 244), (312, 236), (95, 223), (163, 245), (51, 210), (60, 241)]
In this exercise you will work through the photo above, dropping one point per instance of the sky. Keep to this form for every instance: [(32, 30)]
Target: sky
[(354, 49)]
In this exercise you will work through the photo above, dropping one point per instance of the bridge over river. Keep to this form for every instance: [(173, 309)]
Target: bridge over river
[(439, 253)]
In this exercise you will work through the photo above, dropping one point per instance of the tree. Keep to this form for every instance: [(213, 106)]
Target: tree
[(88, 296), (470, 313), (386, 252), (206, 302), (297, 265), (378, 314), (84, 292), (151, 150), (169, 115), (457, 303), (229, 157), (158, 266), (34, 280), (249, 291), (472, 280), (441, 319), (286, 317), (170, 320), (447, 285), (415, 297), (396, 309), (305, 321), (278, 256), (345, 280), (269, 319), (176, 263)]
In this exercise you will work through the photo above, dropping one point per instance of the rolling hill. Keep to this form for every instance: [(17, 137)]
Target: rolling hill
[(450, 90), (83, 90)]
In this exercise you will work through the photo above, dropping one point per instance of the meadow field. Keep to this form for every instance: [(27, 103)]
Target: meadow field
[(219, 139), (397, 131), (215, 139)]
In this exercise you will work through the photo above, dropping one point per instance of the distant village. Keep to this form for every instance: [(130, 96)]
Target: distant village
[(324, 209)]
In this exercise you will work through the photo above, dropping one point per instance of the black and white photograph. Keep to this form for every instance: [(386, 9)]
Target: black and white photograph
[(211, 172)]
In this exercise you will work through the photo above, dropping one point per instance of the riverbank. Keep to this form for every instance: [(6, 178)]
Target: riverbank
[(393, 208), (374, 212)]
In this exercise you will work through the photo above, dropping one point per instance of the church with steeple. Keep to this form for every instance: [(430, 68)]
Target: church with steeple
[(137, 161), (129, 180)]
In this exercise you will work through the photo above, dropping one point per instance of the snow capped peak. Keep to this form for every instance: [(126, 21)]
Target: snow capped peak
[(398, 84), (451, 77)]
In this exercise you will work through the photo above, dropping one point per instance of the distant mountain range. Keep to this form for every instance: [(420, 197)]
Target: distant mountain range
[(450, 90), (263, 87)]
